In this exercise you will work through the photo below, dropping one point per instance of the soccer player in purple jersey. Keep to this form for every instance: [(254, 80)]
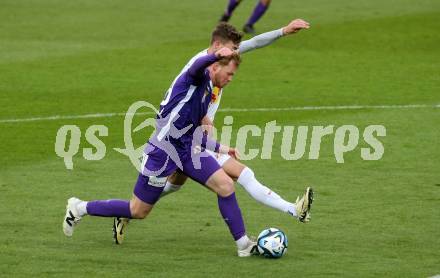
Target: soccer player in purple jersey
[(258, 12), (174, 146), (225, 35)]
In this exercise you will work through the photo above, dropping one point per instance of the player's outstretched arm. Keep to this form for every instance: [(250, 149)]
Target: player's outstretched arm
[(294, 26), (268, 38)]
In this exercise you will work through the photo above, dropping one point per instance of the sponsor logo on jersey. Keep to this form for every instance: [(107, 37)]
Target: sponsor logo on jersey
[(215, 94)]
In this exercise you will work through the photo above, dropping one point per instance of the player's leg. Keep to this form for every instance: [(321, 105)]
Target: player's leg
[(218, 181), (222, 184), (145, 196), (258, 12), (147, 191), (261, 193), (76, 209), (120, 224), (246, 178), (229, 9)]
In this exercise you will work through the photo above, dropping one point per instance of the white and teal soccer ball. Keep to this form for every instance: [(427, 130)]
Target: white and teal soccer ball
[(272, 243)]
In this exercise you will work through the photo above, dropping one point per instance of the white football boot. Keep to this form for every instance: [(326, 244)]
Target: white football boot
[(119, 226), (303, 205), (249, 250), (72, 217)]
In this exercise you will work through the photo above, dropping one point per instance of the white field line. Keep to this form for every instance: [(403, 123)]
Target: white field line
[(299, 108)]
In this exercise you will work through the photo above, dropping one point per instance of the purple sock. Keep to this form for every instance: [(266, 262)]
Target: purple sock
[(109, 208), (232, 215), (231, 7), (259, 11)]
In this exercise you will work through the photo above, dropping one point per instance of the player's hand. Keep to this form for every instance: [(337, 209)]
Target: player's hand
[(294, 26), (207, 125), (233, 152), (224, 52)]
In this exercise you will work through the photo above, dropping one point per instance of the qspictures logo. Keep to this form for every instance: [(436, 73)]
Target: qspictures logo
[(305, 145)]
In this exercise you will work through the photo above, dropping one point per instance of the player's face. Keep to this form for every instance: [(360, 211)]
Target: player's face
[(222, 75)]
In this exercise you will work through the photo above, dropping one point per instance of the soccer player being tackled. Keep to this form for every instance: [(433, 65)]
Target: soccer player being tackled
[(225, 35)]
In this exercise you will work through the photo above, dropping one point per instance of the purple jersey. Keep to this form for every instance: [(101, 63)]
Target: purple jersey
[(185, 104), (177, 125)]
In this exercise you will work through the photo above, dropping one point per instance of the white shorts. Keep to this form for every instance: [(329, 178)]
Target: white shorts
[(221, 158)]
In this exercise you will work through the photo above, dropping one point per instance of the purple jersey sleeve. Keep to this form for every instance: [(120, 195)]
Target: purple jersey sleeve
[(197, 69)]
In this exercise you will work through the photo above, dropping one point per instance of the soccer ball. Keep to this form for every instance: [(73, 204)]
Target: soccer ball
[(272, 243)]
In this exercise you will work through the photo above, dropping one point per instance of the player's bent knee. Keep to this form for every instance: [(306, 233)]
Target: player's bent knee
[(139, 213), (221, 183), (226, 187), (139, 209), (233, 168)]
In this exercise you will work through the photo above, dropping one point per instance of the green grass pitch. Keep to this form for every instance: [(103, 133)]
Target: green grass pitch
[(370, 218)]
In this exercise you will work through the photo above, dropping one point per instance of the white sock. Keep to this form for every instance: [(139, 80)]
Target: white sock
[(264, 194), (170, 188), (242, 242), (81, 207)]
